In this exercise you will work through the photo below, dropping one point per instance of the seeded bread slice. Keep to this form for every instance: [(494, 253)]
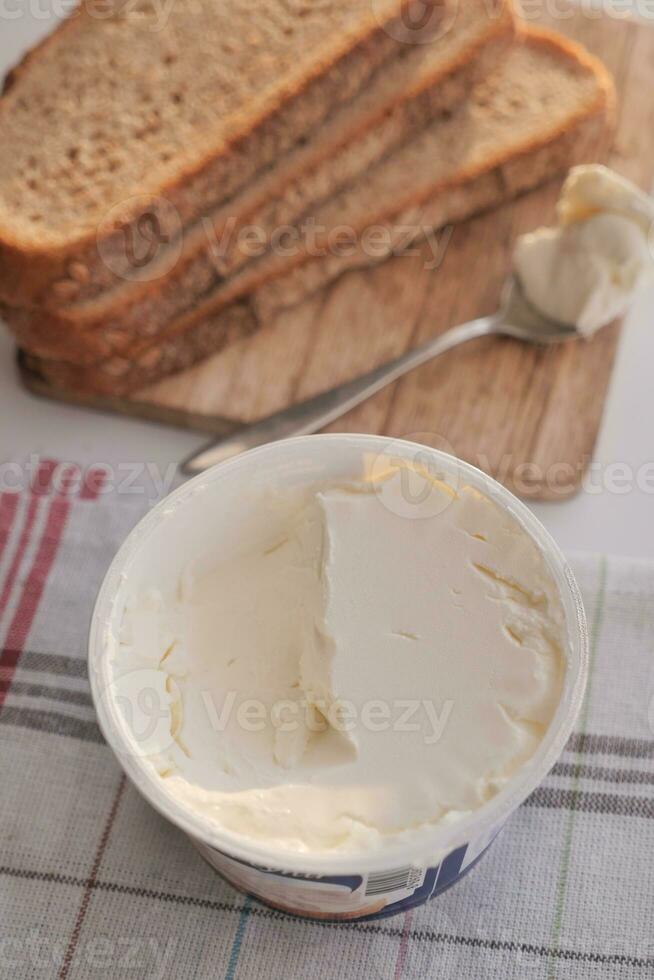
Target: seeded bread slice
[(160, 109), (547, 108), (402, 97)]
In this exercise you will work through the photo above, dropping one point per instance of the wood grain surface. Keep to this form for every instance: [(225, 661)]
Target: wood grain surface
[(528, 416)]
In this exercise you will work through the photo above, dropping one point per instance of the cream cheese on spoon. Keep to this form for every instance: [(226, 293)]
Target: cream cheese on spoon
[(585, 271)]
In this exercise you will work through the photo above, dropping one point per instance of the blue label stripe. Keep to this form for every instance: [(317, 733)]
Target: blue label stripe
[(238, 939), (450, 868)]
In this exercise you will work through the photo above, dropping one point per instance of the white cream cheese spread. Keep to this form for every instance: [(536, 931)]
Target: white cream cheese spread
[(586, 270), (359, 676)]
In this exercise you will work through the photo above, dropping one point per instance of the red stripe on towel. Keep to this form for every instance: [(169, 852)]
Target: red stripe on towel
[(41, 484), (402, 949), (8, 505), (34, 584)]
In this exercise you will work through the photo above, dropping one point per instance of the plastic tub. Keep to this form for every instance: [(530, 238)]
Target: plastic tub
[(199, 519)]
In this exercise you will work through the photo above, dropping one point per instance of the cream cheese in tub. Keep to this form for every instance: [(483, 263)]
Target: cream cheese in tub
[(350, 675)]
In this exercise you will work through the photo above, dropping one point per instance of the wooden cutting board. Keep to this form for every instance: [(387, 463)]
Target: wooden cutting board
[(529, 416)]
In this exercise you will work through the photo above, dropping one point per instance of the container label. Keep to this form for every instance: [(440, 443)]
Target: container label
[(351, 896)]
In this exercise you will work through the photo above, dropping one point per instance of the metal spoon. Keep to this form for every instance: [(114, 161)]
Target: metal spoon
[(516, 318)]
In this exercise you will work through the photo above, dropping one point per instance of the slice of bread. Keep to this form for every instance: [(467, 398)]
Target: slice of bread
[(161, 109), (547, 108), (402, 97)]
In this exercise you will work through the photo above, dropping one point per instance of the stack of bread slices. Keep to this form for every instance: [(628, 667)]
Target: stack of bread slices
[(172, 177)]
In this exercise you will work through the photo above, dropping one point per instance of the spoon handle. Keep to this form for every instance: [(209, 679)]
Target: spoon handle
[(313, 414)]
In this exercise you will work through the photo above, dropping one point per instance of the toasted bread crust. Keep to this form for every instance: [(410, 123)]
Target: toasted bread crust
[(38, 275), (92, 296), (86, 333), (184, 345)]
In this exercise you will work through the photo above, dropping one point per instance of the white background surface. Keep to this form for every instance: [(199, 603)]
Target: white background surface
[(614, 514)]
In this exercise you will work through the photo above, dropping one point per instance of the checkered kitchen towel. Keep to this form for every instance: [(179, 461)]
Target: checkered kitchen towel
[(95, 883)]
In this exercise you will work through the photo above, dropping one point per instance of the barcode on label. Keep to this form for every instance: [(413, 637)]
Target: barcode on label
[(400, 879)]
